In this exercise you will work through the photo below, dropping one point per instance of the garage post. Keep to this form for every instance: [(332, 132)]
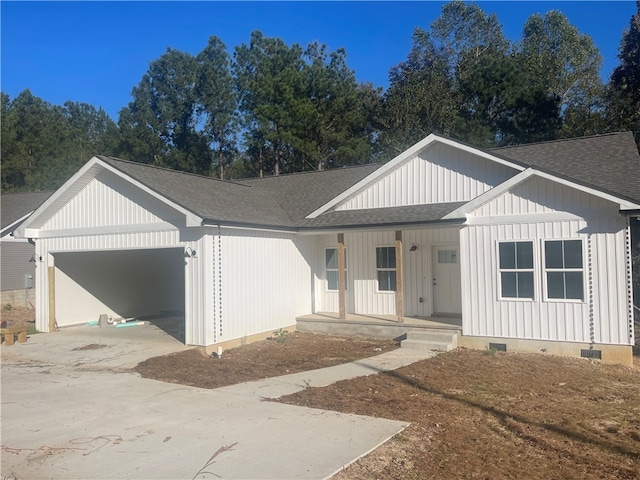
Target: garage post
[(51, 270)]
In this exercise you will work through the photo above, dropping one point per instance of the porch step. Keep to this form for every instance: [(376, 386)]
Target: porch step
[(430, 340)]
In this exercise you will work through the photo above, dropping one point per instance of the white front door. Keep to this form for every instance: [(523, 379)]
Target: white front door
[(447, 293)]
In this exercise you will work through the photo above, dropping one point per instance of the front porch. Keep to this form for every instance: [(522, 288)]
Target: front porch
[(383, 326)]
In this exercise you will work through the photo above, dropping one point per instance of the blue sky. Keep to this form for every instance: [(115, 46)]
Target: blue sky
[(96, 52)]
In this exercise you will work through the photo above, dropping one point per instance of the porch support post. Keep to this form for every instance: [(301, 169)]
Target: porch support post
[(51, 272), (399, 277), (342, 284)]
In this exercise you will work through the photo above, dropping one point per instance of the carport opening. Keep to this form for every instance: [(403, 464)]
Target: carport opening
[(145, 283)]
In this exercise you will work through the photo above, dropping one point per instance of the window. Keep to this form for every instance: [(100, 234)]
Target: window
[(447, 256), (516, 269), (564, 269), (331, 263), (386, 266)]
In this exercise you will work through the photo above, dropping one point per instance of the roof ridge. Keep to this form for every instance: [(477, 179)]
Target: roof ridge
[(559, 140), (27, 193), (345, 167), (170, 170)]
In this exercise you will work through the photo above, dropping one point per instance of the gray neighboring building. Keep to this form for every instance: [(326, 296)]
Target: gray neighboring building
[(16, 271)]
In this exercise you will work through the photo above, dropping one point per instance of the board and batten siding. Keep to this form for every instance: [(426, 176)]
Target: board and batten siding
[(363, 296), (539, 195), (603, 315), (262, 282), (438, 175), (109, 200)]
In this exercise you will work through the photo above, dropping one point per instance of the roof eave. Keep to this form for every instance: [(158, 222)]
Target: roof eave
[(380, 226)]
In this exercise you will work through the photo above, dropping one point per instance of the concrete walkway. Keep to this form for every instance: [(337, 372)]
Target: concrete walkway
[(68, 415)]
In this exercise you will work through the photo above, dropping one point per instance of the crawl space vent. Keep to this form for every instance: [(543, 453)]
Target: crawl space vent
[(591, 354), (498, 347)]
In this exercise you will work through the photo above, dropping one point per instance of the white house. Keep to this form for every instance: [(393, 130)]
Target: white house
[(525, 248)]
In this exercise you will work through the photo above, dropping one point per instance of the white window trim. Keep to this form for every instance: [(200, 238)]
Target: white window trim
[(375, 260), (545, 297), (326, 269), (536, 293)]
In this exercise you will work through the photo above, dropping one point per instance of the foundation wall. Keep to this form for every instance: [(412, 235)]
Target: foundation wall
[(620, 354), (238, 342)]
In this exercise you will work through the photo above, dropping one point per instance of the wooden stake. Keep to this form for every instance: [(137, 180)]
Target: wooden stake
[(52, 298), (342, 284), (399, 276)]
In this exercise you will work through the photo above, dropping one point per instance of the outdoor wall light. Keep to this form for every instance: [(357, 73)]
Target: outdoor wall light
[(189, 253), (413, 248), (35, 258)]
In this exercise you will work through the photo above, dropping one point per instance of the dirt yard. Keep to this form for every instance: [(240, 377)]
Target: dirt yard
[(297, 352), (477, 414), (11, 316), (473, 414)]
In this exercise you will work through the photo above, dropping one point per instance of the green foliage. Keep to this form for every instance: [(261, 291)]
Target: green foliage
[(500, 107), (281, 335), (557, 58), (276, 108), (43, 144), (624, 85), (302, 109)]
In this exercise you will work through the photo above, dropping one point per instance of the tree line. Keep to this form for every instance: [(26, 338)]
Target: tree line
[(272, 108)]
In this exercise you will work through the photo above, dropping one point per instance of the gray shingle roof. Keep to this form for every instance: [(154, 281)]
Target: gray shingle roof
[(413, 214), (207, 197), (299, 194), (14, 206), (609, 163)]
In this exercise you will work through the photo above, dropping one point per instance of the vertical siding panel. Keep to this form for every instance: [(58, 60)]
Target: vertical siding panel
[(440, 174)]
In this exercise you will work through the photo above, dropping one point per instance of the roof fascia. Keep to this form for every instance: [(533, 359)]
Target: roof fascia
[(82, 178), (489, 195), (14, 225), (211, 222), (624, 204), (521, 177), (401, 158), (383, 226), (192, 220)]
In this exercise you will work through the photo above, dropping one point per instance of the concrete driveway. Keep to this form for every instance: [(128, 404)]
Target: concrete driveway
[(71, 411)]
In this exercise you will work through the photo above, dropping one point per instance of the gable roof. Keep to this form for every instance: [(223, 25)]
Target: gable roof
[(609, 163), (16, 207), (299, 194), (406, 156), (210, 199)]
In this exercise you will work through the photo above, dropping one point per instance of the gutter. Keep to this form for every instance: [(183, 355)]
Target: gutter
[(210, 222)]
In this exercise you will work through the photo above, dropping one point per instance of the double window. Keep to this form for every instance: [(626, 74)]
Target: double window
[(563, 270), (331, 264), (386, 267)]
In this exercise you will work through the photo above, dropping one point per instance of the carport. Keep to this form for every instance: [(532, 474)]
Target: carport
[(147, 284)]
